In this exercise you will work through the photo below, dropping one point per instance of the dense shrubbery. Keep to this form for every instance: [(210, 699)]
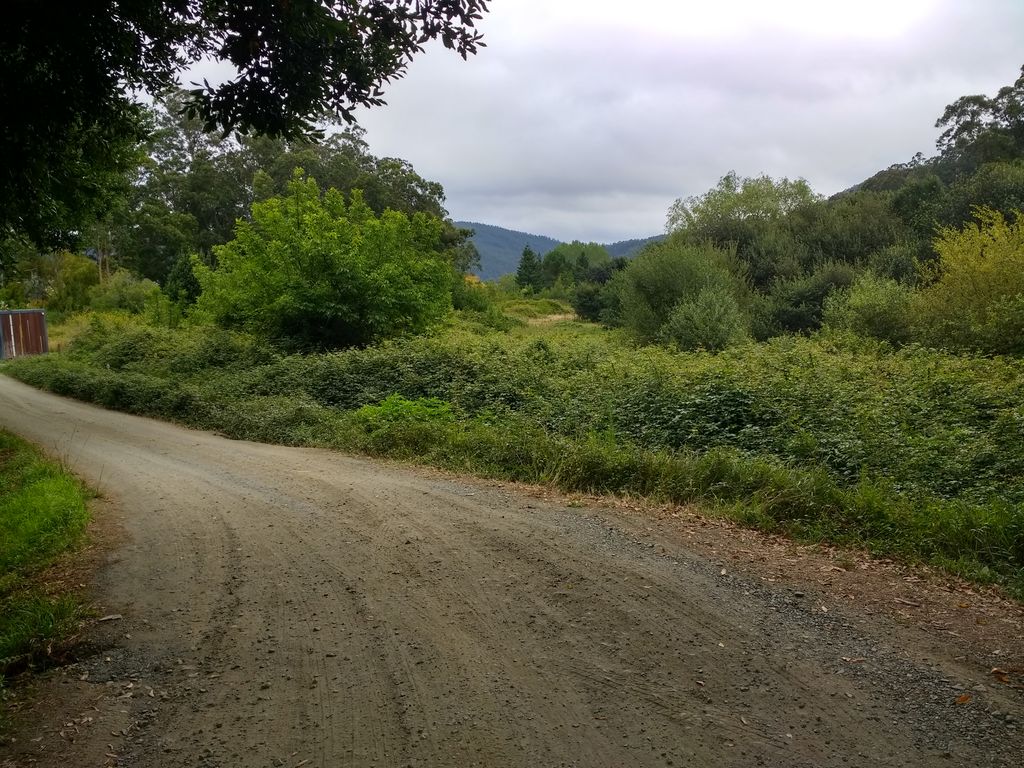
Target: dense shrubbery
[(682, 294), (314, 271), (66, 283), (876, 307), (123, 290), (911, 451)]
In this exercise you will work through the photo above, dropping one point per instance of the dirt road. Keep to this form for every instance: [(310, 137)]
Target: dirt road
[(296, 607)]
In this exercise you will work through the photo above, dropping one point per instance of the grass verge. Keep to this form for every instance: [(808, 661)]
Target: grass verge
[(43, 514)]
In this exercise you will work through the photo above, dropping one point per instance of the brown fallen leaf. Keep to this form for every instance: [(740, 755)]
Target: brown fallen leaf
[(1000, 674), (963, 698)]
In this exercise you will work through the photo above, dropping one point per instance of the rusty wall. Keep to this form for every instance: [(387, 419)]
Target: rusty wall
[(22, 332)]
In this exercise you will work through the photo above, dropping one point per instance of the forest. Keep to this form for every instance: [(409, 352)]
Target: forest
[(843, 369)]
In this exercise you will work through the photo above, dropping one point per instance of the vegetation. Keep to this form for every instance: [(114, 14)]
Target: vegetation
[(668, 291), (912, 452), (42, 515), (313, 270), (843, 369), (70, 125), (974, 299)]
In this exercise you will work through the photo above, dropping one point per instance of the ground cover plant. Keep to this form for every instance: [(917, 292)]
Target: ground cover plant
[(42, 515), (905, 451)]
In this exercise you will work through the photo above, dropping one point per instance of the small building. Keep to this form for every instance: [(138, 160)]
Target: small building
[(22, 333)]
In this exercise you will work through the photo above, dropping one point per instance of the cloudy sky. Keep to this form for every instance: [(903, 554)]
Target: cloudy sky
[(586, 119)]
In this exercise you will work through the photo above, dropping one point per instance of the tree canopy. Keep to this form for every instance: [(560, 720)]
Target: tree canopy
[(980, 129), (737, 199), (189, 187), (67, 75)]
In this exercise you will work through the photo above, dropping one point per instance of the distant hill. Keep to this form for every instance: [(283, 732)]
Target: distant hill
[(631, 247), (500, 248)]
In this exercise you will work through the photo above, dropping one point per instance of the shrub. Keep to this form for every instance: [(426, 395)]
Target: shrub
[(973, 299), (586, 301), (73, 277), (799, 303), (313, 270), (898, 262), (470, 295), (662, 276), (711, 320), (873, 306), (123, 290)]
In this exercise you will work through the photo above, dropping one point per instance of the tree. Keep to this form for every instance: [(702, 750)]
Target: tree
[(981, 129), (190, 187), (530, 274), (737, 200), (664, 275), (65, 75), (313, 270), (575, 262), (753, 216), (997, 186), (975, 295)]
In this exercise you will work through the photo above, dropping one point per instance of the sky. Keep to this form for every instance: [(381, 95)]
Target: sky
[(584, 119)]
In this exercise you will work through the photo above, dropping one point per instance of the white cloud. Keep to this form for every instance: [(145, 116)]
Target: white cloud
[(585, 119)]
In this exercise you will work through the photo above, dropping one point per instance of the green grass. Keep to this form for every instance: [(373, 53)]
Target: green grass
[(524, 308), (913, 453), (42, 515)]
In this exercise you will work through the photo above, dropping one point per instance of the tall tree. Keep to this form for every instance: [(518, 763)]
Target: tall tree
[(530, 274), (191, 187), (980, 129), (66, 73), (735, 199)]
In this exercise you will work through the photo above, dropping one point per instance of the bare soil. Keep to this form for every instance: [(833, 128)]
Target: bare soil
[(274, 606)]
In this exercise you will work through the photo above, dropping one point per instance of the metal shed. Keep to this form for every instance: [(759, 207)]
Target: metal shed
[(22, 333)]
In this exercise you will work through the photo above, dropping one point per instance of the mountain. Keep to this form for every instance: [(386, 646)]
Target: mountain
[(500, 248), (632, 247)]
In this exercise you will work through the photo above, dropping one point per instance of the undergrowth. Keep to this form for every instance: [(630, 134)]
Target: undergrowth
[(911, 452)]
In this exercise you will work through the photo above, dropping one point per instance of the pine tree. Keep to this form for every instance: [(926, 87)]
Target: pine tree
[(530, 274)]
